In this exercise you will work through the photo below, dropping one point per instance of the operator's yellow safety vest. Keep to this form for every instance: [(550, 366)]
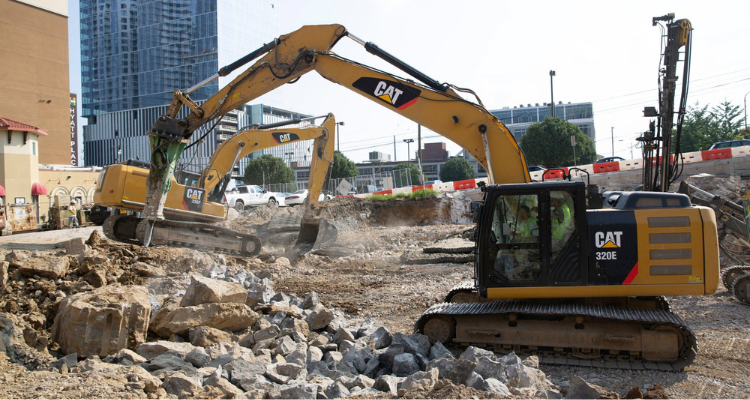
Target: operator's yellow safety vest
[(559, 228), (525, 229), (71, 211)]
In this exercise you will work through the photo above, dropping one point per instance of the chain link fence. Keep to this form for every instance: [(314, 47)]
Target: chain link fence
[(359, 184)]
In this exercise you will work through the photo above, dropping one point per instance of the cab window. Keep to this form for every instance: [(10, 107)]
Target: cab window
[(516, 235), (562, 220)]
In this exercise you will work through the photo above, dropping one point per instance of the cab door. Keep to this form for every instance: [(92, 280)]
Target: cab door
[(516, 252)]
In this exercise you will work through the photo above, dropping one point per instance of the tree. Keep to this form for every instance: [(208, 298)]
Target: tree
[(457, 169), (342, 166), (401, 178), (268, 170), (548, 143), (701, 128)]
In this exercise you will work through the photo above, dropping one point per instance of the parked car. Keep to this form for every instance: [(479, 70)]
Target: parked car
[(537, 168), (433, 182), (608, 159), (251, 195), (300, 196), (730, 143)]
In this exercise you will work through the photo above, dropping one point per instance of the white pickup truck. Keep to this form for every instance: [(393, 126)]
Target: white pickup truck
[(250, 195)]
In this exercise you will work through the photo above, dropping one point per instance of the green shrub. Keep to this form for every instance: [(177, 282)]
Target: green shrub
[(414, 195)]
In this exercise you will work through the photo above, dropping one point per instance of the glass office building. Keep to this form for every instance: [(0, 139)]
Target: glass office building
[(519, 118), (135, 53)]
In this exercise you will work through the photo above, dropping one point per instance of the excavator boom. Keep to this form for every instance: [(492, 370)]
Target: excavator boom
[(436, 106)]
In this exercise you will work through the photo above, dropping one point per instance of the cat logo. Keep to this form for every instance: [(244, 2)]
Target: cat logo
[(392, 93), (282, 137), (608, 240), (194, 194), (387, 92), (192, 199)]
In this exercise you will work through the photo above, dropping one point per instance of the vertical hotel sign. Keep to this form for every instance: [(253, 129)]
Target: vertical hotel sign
[(73, 129)]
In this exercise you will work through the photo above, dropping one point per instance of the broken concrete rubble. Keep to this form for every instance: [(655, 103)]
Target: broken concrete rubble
[(103, 321), (205, 290)]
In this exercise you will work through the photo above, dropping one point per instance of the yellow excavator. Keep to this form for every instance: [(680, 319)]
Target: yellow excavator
[(191, 210), (557, 273)]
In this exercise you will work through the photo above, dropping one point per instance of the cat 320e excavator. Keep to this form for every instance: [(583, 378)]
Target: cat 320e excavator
[(557, 274)]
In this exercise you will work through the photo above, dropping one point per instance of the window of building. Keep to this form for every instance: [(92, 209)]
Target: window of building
[(503, 115), (524, 116)]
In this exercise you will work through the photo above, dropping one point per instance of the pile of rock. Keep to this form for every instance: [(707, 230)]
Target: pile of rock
[(234, 336)]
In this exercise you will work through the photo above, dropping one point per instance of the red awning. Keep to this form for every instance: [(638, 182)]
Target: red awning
[(2, 191), (37, 189)]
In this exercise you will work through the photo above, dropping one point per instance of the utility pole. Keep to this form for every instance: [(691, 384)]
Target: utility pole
[(613, 141), (552, 92), (573, 143), (419, 153), (746, 109)]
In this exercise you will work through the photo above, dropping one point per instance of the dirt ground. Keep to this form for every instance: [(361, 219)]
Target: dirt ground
[(373, 282)]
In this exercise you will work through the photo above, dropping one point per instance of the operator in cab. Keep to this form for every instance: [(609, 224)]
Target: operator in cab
[(562, 223)]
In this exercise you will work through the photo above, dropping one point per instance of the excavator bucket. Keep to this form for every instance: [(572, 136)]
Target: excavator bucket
[(315, 234)]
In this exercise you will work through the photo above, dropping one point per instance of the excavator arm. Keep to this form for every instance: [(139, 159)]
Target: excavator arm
[(258, 138), (435, 105)]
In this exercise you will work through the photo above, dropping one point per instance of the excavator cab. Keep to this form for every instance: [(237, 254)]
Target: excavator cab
[(532, 235)]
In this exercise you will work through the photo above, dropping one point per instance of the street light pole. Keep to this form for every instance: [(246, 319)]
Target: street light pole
[(746, 109), (408, 151), (408, 159), (613, 141), (552, 92), (338, 137)]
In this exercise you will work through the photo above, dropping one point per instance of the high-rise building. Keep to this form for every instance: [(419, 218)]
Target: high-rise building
[(135, 53), (34, 72)]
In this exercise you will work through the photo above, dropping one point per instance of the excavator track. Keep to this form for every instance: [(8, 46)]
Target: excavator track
[(741, 288), (557, 331), (466, 292), (729, 274), (195, 235)]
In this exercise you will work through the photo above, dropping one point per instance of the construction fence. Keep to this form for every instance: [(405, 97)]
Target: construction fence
[(353, 185)]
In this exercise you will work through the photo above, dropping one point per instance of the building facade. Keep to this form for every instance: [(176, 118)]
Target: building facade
[(519, 118), (34, 71), (380, 172), (118, 136), (135, 53)]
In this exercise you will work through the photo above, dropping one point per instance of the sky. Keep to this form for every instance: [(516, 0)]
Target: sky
[(602, 52)]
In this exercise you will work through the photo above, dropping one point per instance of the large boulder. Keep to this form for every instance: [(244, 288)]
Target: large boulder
[(205, 336), (206, 290), (580, 389), (45, 266), (103, 321), (224, 316)]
